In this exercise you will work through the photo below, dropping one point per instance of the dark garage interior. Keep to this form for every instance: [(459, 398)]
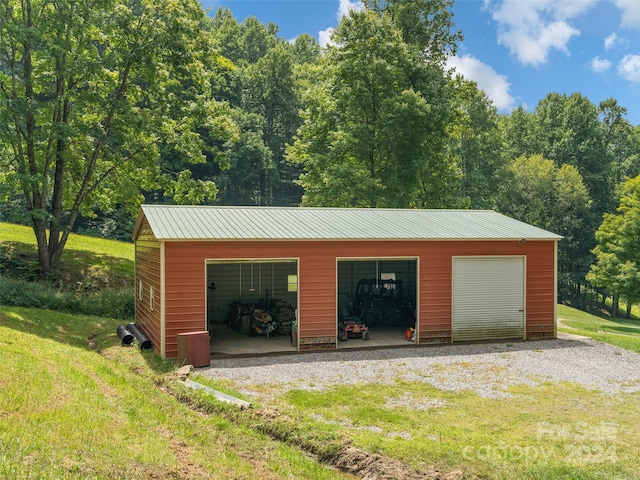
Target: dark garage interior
[(378, 293), (251, 304)]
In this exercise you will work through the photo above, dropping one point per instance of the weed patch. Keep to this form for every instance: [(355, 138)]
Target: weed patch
[(113, 302)]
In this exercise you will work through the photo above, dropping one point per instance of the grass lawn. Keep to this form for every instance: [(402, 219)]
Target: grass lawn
[(615, 331), (76, 405), (108, 248), (87, 261), (549, 431)]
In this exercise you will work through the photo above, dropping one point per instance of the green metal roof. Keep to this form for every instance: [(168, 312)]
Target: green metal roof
[(177, 222)]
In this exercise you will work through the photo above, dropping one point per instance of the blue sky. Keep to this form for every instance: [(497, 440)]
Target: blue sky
[(517, 51)]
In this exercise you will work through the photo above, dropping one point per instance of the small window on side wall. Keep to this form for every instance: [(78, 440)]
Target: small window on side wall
[(140, 290), (151, 299), (292, 283)]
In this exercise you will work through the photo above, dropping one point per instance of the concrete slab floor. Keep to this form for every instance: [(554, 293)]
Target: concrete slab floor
[(226, 342)]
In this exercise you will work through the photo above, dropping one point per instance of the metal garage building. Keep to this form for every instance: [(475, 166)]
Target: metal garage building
[(453, 275)]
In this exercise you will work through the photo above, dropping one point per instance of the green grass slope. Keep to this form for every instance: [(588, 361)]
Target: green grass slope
[(615, 331), (94, 276), (85, 258), (77, 405)]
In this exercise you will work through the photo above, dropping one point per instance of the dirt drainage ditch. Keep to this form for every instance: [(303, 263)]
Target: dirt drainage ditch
[(345, 458)]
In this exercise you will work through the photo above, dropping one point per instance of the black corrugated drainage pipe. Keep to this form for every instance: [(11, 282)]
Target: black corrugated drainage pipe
[(126, 337), (143, 341)]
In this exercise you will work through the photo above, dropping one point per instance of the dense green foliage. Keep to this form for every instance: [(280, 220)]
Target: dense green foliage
[(617, 267), (535, 190), (111, 302), (374, 131), (108, 104), (92, 94), (264, 86)]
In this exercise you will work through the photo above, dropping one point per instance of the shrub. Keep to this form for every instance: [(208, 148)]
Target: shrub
[(112, 303)]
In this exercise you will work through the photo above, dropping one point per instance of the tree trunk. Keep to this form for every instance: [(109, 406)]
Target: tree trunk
[(615, 302), (73, 216), (60, 117), (34, 191), (56, 201), (44, 261)]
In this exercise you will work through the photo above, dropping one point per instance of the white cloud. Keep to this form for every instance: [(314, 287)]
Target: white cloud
[(629, 68), (494, 85), (630, 13), (610, 41), (600, 64), (530, 29), (347, 5), (324, 36)]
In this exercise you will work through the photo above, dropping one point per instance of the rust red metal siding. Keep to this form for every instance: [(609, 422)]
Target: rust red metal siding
[(185, 282), (436, 292), (147, 273)]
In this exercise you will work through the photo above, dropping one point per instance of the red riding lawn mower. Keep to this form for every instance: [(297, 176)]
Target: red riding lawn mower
[(350, 325)]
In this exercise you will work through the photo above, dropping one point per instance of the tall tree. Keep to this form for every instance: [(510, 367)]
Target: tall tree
[(374, 129), (618, 139), (536, 191), (521, 134), (244, 43), (476, 143), (90, 91), (307, 55), (251, 162), (571, 133), (269, 90), (426, 25), (263, 81), (631, 167), (617, 266), (306, 50)]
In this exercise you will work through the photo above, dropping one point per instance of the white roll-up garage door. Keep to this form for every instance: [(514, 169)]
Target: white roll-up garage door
[(488, 298)]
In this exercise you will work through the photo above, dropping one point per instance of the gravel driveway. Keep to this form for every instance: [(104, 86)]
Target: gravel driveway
[(486, 368)]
